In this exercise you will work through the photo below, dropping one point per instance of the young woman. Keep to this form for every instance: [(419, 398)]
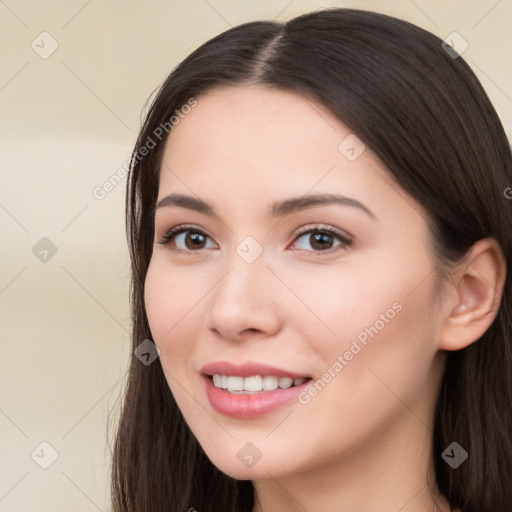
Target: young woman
[(319, 222)]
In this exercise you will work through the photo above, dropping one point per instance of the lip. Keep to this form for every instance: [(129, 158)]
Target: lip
[(247, 369), (249, 406), (253, 405)]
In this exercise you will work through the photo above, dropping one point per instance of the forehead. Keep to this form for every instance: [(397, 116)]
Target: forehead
[(256, 131), (253, 114), (240, 145)]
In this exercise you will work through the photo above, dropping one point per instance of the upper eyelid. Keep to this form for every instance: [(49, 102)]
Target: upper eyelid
[(298, 231), (344, 237)]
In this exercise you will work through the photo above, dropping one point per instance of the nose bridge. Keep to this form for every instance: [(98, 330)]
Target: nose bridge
[(247, 266), (244, 297)]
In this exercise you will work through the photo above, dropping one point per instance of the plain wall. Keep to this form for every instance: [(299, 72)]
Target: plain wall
[(67, 124)]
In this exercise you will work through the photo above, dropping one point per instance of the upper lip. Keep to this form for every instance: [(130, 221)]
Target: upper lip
[(247, 369)]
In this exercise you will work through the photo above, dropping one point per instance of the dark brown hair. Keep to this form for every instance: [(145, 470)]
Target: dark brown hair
[(422, 110)]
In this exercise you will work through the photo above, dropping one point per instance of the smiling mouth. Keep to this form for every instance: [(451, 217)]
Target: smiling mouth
[(254, 384)]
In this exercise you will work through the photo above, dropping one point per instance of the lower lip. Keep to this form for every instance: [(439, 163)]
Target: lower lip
[(249, 406)]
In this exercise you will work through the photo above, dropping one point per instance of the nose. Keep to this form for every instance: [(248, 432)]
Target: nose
[(246, 301)]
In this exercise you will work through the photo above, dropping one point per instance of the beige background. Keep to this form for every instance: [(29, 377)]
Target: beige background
[(67, 123)]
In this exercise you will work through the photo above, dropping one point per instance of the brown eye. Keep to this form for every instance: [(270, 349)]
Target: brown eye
[(194, 240), (321, 239), (185, 239)]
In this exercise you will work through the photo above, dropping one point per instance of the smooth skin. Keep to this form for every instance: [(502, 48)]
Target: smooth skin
[(363, 442)]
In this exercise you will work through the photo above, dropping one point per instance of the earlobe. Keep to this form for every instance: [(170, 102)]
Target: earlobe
[(479, 287)]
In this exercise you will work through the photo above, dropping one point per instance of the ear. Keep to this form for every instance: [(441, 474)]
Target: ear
[(477, 288)]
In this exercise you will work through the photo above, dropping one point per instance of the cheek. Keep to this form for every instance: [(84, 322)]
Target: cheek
[(386, 340), (156, 301), (168, 303), (338, 303), (378, 316)]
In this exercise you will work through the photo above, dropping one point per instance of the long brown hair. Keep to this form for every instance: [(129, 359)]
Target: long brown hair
[(422, 110)]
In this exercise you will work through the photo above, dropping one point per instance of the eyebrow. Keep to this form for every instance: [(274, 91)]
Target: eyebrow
[(277, 209)]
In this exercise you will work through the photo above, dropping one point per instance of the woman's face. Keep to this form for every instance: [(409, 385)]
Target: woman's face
[(343, 293)]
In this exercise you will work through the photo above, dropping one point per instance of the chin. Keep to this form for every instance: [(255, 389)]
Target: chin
[(258, 472), (242, 466)]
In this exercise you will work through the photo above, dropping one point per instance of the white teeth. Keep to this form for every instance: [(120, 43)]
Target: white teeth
[(270, 383), (285, 382), (235, 383), (255, 383)]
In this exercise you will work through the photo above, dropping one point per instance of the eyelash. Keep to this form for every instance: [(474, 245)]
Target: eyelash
[(183, 228)]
